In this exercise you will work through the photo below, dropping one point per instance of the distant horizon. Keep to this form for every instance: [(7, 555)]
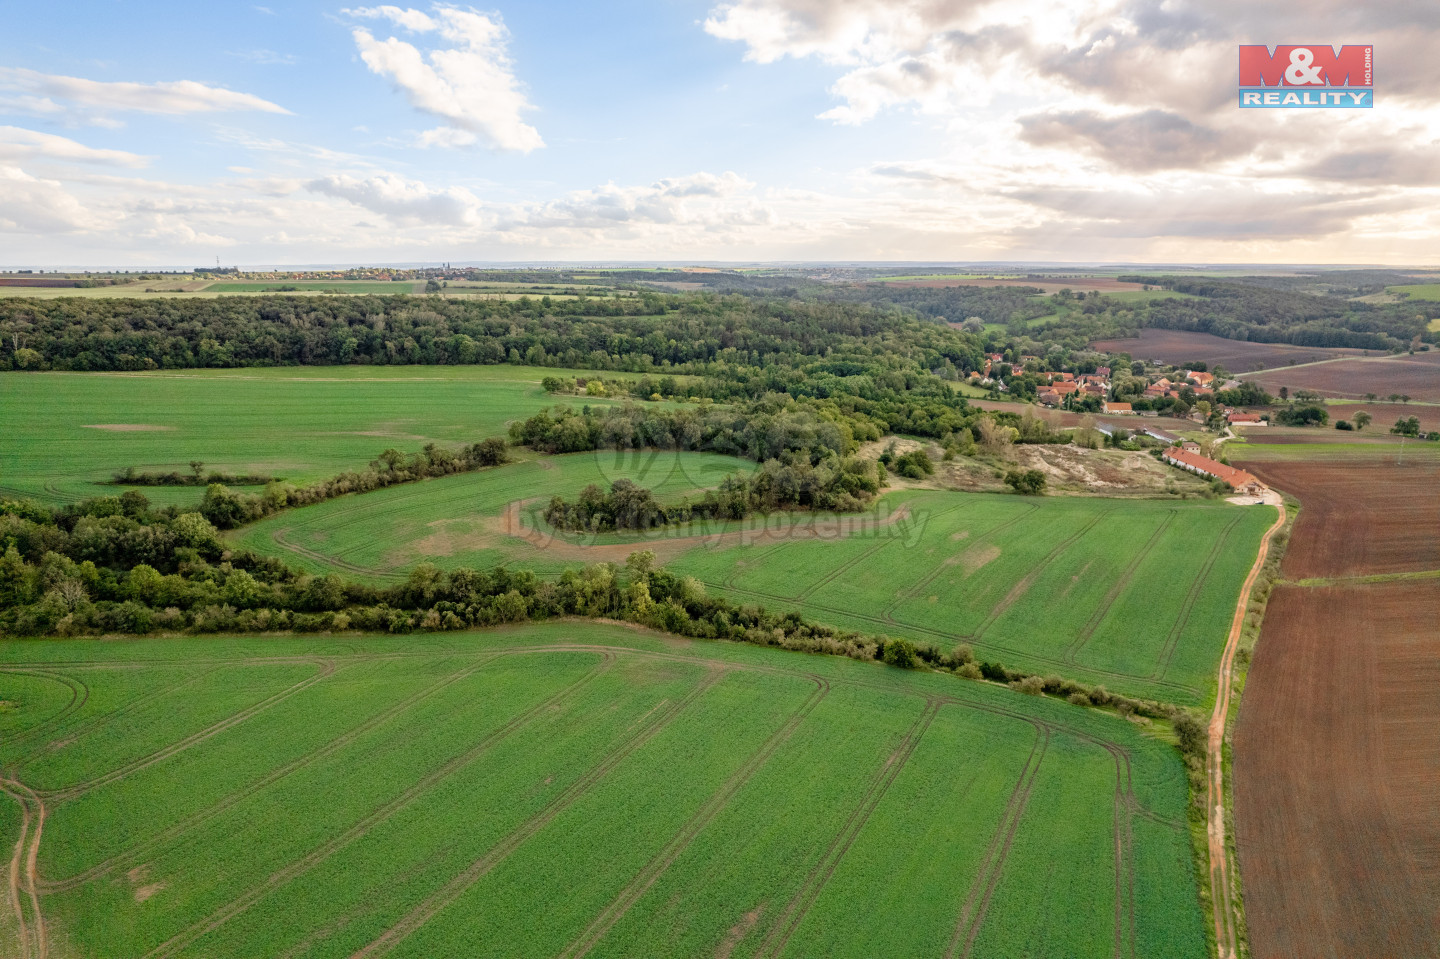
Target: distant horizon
[(604, 264)]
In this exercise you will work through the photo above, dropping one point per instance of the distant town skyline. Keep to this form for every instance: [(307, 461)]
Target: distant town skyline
[(739, 131)]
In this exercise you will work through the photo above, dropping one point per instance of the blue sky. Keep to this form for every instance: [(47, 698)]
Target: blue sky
[(167, 133)]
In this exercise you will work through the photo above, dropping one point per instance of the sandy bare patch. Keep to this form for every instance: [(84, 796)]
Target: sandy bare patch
[(148, 890), (958, 535), (975, 558), (448, 542), (129, 427)]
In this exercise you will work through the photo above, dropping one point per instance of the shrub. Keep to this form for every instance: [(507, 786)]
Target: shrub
[(900, 653), (1030, 686), (1191, 734), (1026, 482)]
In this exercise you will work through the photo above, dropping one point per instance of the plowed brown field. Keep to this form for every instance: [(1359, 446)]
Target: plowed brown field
[(1415, 376), (1237, 356), (1337, 749)]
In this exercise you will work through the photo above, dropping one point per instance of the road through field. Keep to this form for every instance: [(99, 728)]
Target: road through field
[(1220, 898)]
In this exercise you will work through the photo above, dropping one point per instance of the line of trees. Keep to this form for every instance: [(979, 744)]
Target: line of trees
[(196, 477), (227, 509)]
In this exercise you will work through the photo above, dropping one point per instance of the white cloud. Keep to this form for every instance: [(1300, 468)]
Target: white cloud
[(18, 144), (32, 205), (413, 20), (93, 101), (406, 202), (470, 84), (704, 202)]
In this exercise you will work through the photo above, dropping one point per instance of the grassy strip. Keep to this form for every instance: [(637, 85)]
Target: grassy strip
[(1319, 581)]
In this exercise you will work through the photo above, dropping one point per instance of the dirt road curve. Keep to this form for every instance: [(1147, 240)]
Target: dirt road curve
[(1220, 886), (1337, 745)]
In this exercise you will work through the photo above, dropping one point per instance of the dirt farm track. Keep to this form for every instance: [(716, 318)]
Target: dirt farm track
[(1337, 748)]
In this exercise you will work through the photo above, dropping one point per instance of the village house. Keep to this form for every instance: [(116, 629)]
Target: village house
[(1200, 379), (1049, 397), (1121, 409), (1240, 480), (1190, 446), (1245, 419)]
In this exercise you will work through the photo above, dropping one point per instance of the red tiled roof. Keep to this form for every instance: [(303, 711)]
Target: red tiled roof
[(1236, 478)]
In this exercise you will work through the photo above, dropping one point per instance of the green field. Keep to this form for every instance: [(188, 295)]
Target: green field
[(1136, 595), (1418, 291), (575, 789), (302, 423), (459, 520)]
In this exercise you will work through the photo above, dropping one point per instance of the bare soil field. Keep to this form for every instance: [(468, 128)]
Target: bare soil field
[(1337, 748), (1416, 376), (1358, 517), (1103, 284), (1174, 346), (1384, 415)]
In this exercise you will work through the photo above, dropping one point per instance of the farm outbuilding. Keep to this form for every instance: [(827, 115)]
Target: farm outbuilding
[(1242, 481)]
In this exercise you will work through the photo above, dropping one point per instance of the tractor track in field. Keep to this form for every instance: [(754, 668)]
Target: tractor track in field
[(702, 818), (323, 852), (795, 911), (79, 695), (1124, 853), (138, 702), (325, 559), (135, 853), (1023, 586), (647, 729), (56, 796), (20, 886), (1182, 619), (977, 901), (759, 560), (910, 592), (839, 571), (1116, 588)]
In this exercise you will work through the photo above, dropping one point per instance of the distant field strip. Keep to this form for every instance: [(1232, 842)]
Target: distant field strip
[(423, 795), (64, 441)]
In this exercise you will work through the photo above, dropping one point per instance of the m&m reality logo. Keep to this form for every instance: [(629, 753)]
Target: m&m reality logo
[(1310, 76)]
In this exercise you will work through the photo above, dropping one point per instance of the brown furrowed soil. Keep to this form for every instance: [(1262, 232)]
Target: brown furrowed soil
[(1415, 376), (1337, 748), (1358, 517), (1237, 356)]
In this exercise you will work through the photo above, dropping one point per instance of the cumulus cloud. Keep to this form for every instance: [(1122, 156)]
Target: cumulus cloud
[(469, 83), (32, 205), (19, 144), (93, 101), (1142, 142), (405, 202), (703, 201), (1151, 54)]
